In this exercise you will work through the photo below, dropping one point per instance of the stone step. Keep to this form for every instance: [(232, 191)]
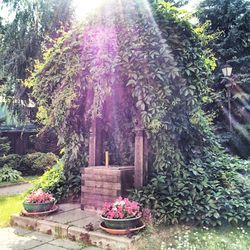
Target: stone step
[(73, 230)]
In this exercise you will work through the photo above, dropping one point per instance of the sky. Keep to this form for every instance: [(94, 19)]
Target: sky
[(83, 7), (192, 4)]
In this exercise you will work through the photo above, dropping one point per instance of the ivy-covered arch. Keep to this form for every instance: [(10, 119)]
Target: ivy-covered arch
[(159, 59)]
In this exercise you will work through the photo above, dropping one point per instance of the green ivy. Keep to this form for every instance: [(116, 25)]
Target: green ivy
[(166, 74)]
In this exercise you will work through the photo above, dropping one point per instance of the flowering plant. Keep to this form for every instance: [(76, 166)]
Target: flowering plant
[(121, 209), (39, 196)]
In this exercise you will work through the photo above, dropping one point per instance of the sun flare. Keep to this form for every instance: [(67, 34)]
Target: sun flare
[(83, 8)]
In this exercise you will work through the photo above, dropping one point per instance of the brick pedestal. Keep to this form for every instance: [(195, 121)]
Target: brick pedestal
[(101, 184)]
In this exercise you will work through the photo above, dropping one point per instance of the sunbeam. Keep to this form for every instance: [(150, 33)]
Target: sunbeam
[(84, 8)]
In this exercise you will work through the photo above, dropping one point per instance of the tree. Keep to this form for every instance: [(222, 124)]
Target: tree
[(177, 3), (230, 20), (165, 73), (22, 35)]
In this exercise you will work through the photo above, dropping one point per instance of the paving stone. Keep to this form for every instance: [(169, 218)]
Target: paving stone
[(68, 206), (48, 247), (40, 236), (92, 248), (83, 222), (21, 231), (65, 243), (67, 217), (15, 242), (16, 230)]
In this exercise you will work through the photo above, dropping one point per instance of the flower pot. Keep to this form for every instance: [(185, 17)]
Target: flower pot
[(38, 207), (121, 223)]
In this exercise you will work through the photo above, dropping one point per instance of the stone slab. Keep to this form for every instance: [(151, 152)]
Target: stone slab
[(15, 242), (68, 206), (92, 248), (68, 244), (83, 222), (40, 236), (18, 231), (48, 247), (67, 217)]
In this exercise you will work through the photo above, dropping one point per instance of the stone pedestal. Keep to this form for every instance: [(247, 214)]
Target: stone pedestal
[(101, 184)]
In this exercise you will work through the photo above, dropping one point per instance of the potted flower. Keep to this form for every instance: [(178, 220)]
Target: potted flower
[(122, 214), (38, 201)]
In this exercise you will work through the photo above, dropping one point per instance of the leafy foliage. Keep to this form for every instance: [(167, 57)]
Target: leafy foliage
[(165, 73), (229, 20), (4, 146), (11, 160), (8, 174), (37, 163), (21, 36), (30, 164), (53, 181)]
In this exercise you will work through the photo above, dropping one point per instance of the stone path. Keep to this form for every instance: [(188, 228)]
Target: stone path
[(22, 239), (15, 189)]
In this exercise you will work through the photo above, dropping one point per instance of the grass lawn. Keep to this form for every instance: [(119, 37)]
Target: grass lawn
[(9, 205), (188, 238)]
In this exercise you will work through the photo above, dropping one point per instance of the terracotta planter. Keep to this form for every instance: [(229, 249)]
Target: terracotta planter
[(121, 223), (38, 207)]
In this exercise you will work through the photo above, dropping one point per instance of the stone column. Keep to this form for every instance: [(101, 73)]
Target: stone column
[(94, 144), (141, 161)]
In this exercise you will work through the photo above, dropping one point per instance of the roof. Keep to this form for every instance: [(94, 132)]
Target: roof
[(10, 123)]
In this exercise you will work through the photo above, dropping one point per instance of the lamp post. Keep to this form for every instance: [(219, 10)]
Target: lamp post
[(227, 72)]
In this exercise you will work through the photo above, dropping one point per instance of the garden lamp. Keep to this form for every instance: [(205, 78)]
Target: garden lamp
[(227, 70)]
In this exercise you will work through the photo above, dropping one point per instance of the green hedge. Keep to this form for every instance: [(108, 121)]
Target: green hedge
[(12, 161), (37, 163), (29, 164)]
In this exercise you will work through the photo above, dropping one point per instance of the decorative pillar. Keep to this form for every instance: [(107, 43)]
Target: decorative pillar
[(141, 159), (94, 144)]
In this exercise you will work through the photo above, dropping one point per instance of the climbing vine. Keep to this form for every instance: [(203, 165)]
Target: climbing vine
[(165, 72)]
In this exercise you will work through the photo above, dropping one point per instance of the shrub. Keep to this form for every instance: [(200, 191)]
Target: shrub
[(206, 192), (8, 174), (12, 161), (4, 146), (53, 181), (37, 163)]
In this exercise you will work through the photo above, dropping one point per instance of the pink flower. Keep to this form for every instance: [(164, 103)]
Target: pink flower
[(39, 196), (121, 208)]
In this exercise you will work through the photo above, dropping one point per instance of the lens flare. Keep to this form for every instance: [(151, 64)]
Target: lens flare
[(84, 8)]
